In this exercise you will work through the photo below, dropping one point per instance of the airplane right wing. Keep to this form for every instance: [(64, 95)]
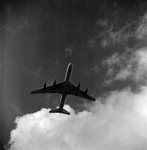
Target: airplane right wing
[(55, 88), (74, 90)]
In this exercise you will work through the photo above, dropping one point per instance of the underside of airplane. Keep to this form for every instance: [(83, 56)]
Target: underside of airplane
[(64, 88)]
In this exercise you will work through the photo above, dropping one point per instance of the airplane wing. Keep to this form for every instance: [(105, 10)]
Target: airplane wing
[(74, 90), (55, 88)]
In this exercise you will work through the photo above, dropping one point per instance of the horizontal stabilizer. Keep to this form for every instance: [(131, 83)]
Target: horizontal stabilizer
[(65, 112), (59, 111), (55, 110)]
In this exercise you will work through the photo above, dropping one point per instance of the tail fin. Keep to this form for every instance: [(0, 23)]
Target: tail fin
[(59, 111)]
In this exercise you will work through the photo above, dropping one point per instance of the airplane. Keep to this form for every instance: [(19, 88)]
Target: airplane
[(64, 88)]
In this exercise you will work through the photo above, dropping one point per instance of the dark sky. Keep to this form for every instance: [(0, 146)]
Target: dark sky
[(39, 38)]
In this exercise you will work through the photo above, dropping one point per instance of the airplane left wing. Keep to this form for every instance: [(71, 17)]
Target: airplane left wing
[(74, 90), (55, 88)]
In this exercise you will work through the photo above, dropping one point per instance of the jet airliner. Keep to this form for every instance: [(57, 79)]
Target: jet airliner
[(64, 88)]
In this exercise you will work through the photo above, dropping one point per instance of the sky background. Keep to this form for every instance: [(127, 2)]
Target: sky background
[(105, 40)]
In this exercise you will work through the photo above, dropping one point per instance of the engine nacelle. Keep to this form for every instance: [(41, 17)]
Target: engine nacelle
[(86, 91), (44, 87), (78, 86), (54, 82)]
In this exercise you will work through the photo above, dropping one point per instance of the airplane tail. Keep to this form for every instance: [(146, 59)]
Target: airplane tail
[(65, 112), (58, 110)]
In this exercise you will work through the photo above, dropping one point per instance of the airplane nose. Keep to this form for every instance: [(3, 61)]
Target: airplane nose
[(70, 65)]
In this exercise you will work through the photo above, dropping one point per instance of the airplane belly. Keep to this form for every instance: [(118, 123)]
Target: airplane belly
[(63, 100)]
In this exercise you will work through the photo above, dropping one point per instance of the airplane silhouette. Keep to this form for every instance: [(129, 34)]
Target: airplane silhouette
[(64, 88)]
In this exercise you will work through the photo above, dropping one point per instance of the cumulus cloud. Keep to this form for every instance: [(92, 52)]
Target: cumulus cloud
[(115, 121), (128, 65)]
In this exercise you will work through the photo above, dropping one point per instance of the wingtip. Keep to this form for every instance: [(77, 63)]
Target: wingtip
[(93, 99), (32, 92)]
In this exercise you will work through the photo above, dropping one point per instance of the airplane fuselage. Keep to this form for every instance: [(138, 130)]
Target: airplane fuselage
[(68, 73), (65, 90)]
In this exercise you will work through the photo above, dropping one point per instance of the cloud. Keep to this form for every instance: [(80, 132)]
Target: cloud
[(95, 69), (111, 36), (103, 23), (117, 120), (69, 50), (141, 31), (13, 25), (131, 64), (128, 65)]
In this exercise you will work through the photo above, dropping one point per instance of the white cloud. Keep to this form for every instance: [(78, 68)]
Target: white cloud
[(111, 36), (141, 31), (129, 65), (118, 122)]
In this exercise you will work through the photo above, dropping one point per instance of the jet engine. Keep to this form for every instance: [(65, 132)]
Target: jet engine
[(44, 87), (86, 91), (54, 82), (78, 86)]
